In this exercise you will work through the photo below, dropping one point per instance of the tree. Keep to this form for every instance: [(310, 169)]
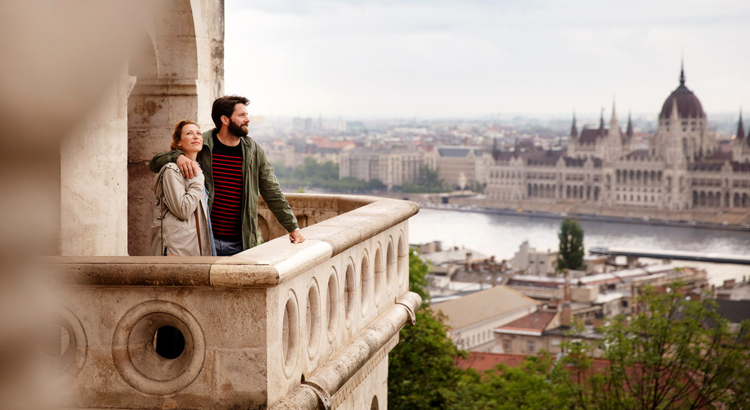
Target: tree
[(421, 369), (570, 255), (677, 353)]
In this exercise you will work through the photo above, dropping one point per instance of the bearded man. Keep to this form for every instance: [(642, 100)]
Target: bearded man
[(236, 170)]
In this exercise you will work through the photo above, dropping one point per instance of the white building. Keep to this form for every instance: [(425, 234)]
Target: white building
[(533, 262)]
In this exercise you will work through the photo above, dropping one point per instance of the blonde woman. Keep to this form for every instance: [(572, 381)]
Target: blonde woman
[(181, 224)]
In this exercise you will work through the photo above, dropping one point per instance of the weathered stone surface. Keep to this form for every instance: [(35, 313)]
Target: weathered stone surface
[(260, 322)]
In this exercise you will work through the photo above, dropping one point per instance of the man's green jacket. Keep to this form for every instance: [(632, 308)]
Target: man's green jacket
[(257, 177)]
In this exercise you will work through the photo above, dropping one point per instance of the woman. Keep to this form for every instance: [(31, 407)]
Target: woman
[(181, 224)]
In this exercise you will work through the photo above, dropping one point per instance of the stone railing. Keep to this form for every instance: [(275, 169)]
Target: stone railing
[(288, 325)]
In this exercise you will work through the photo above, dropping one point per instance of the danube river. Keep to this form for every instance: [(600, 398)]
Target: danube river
[(501, 235)]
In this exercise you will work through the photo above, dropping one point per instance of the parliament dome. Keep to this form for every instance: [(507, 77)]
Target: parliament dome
[(688, 105)]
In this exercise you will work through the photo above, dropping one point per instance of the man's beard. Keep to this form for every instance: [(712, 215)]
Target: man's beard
[(236, 129)]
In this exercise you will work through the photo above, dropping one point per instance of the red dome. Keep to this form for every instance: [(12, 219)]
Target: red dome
[(688, 105)]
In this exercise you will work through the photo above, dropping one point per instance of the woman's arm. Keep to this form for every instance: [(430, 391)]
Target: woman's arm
[(179, 200)]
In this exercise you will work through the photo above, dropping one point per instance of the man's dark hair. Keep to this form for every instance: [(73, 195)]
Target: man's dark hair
[(224, 106)]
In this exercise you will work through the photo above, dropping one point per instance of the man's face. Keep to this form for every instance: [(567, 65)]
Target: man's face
[(239, 121)]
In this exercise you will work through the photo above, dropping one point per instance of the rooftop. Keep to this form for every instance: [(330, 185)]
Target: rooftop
[(483, 305)]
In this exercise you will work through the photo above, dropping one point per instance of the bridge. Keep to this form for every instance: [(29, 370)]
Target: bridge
[(676, 255)]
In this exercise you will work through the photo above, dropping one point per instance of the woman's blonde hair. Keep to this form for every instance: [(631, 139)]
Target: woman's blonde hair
[(177, 135)]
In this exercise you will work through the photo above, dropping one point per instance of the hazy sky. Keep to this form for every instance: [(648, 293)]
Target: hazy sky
[(468, 58)]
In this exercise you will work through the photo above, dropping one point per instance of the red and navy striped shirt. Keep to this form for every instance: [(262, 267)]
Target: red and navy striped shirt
[(227, 172)]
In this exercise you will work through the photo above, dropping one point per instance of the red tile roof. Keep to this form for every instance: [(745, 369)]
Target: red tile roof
[(536, 321)]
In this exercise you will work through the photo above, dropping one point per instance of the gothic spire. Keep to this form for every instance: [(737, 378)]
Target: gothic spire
[(629, 132), (614, 116), (573, 128), (601, 123), (682, 72), (740, 128)]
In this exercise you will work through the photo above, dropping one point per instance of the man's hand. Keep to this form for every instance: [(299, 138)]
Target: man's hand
[(188, 167), (296, 236)]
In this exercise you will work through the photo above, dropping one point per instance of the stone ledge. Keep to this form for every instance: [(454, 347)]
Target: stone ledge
[(266, 265)]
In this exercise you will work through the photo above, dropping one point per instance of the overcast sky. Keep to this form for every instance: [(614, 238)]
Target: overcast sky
[(470, 58)]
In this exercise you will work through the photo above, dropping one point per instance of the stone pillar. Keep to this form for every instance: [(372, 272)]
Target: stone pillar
[(154, 107), (93, 180)]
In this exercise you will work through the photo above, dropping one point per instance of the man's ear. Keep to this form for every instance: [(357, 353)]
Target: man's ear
[(225, 120)]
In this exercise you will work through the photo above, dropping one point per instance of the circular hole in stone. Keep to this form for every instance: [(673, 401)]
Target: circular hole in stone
[(289, 334), (56, 340), (350, 290), (169, 342), (390, 264), (312, 319), (332, 305), (378, 273), (366, 281), (403, 260)]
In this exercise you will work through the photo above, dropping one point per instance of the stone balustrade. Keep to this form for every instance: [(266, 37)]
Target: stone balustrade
[(309, 324)]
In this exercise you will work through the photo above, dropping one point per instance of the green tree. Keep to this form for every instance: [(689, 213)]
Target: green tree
[(677, 353), (534, 384), (570, 255), (422, 373)]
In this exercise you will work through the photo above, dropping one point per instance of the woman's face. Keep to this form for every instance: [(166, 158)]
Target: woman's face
[(192, 140)]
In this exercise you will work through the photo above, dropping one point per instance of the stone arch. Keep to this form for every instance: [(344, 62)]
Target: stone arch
[(164, 75), (726, 200), (736, 200), (703, 198), (167, 84), (618, 176), (744, 200), (710, 199), (695, 198)]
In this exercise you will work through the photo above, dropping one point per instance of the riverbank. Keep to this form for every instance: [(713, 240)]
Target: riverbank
[(501, 235), (730, 220)]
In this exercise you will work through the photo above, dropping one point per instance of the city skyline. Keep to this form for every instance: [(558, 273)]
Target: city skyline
[(471, 59)]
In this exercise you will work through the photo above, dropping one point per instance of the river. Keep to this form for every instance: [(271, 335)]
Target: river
[(501, 235)]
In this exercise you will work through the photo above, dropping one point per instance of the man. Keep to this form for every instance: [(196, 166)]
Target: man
[(236, 171)]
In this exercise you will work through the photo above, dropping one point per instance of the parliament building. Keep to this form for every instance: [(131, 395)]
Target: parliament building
[(682, 169)]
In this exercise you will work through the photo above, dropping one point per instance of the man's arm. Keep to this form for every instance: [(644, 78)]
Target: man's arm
[(188, 167), (271, 192)]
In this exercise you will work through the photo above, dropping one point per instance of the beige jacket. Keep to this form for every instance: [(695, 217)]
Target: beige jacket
[(173, 227)]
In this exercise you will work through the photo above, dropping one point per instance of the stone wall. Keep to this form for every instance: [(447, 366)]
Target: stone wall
[(267, 326)]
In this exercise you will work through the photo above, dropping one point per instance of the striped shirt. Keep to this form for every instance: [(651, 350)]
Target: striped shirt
[(227, 173)]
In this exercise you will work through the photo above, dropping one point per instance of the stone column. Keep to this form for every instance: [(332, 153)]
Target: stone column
[(93, 180)]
